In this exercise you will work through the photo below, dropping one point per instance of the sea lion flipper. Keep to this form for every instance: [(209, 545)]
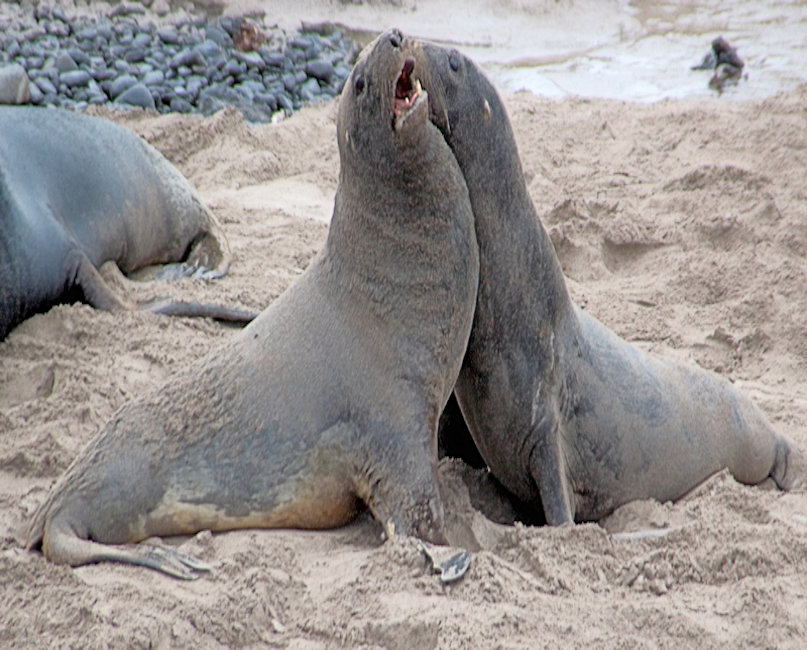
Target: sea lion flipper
[(403, 494), (163, 559), (98, 294), (550, 473), (789, 466), (63, 545), (95, 289), (168, 307)]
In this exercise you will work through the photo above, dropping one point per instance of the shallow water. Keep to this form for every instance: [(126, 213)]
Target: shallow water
[(650, 58), (622, 49)]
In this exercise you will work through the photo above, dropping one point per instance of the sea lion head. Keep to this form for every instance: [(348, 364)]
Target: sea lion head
[(383, 107), (463, 103)]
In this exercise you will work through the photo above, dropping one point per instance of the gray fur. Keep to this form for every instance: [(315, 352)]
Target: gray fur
[(331, 397), (565, 413), (78, 191)]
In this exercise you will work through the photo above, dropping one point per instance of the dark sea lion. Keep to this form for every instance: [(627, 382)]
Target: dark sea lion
[(331, 397), (565, 413), (78, 191)]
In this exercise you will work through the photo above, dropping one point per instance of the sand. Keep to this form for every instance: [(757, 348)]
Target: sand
[(682, 225)]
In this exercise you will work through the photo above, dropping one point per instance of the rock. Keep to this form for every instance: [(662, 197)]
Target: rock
[(14, 85), (310, 91), (135, 54), (209, 49), (65, 62), (179, 105), (320, 69), (75, 78), (188, 58), (160, 7), (270, 58), (168, 35), (92, 60), (79, 57), (45, 85), (154, 78), (36, 96), (218, 36), (137, 95), (121, 85), (252, 59)]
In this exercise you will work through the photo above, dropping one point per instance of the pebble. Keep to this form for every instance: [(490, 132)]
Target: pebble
[(65, 62), (47, 58), (121, 85), (137, 95), (75, 78), (14, 85)]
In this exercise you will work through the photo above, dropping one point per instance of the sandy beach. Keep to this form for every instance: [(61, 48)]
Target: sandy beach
[(681, 224)]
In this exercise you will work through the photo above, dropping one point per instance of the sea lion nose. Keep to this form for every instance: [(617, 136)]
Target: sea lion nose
[(396, 38)]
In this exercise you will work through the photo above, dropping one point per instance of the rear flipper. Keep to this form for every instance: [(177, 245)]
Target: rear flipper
[(168, 307), (789, 468), (159, 558), (98, 293), (62, 545)]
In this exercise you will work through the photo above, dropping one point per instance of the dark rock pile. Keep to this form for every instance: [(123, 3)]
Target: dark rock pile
[(194, 66)]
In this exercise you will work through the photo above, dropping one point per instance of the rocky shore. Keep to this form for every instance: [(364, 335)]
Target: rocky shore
[(194, 65)]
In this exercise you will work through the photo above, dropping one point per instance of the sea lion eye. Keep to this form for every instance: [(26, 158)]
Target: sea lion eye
[(454, 61), (359, 84)]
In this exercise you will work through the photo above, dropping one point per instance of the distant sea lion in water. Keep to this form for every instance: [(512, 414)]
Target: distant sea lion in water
[(331, 397), (78, 191), (564, 412)]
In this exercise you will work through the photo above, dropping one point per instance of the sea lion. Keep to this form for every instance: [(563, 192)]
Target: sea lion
[(331, 397), (78, 191), (565, 413)]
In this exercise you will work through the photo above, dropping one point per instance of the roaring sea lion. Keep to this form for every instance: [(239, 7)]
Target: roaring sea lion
[(330, 398), (78, 191), (565, 413)]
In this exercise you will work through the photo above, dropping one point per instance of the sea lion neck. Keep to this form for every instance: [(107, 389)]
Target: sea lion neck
[(468, 111), (390, 153)]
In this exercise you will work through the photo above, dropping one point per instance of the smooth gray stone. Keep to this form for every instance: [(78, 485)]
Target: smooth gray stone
[(75, 78), (137, 95), (121, 85), (14, 85)]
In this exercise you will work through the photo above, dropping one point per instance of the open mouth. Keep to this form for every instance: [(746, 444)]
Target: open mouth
[(408, 93)]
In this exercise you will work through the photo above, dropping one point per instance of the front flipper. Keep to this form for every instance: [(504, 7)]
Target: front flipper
[(396, 476), (550, 473), (94, 288)]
